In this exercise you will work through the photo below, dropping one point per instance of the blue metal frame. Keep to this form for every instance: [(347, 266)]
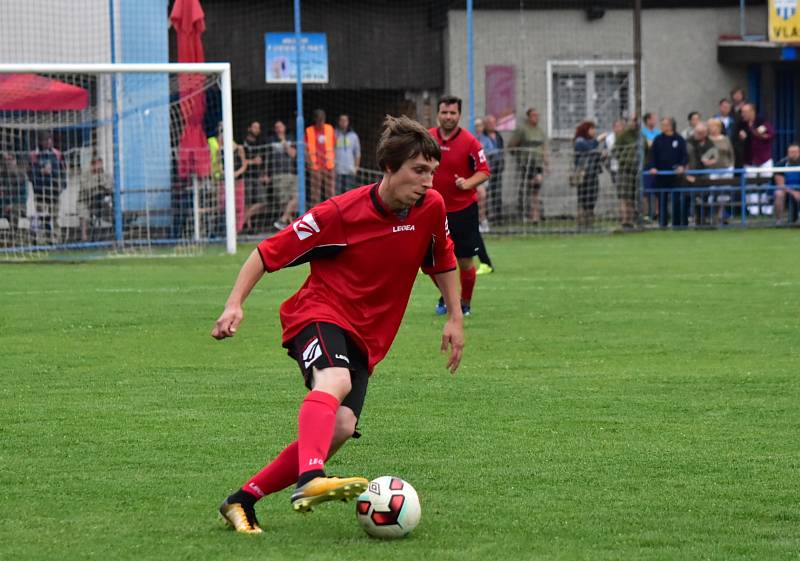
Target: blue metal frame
[(785, 114), (754, 85), (300, 124), (115, 135), (470, 71), (738, 185)]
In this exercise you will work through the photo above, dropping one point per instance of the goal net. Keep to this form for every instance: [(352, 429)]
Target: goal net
[(100, 159)]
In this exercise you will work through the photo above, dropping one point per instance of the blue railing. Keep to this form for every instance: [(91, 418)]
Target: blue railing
[(744, 193)]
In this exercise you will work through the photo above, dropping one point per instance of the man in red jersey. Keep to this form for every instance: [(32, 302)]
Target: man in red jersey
[(365, 248), (462, 168)]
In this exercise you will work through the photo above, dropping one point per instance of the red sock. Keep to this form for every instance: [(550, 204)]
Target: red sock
[(276, 476), (315, 424), (467, 283)]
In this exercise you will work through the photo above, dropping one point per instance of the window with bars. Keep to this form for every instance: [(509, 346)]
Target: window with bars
[(602, 92)]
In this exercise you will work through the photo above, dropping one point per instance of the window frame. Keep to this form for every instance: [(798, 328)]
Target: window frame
[(588, 67)]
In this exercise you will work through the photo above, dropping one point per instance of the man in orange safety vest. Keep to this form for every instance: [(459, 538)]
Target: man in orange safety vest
[(321, 146)]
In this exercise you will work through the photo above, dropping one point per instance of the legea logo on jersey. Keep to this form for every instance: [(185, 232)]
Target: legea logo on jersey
[(403, 228), (446, 227), (482, 156), (306, 226)]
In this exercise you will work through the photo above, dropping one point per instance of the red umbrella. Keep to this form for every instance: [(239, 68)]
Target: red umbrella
[(188, 19), (31, 92)]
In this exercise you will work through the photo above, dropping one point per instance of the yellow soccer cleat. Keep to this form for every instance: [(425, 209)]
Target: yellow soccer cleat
[(322, 489), (241, 518), (484, 269)]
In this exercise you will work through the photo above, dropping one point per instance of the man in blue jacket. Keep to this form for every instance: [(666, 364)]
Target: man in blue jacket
[(668, 154)]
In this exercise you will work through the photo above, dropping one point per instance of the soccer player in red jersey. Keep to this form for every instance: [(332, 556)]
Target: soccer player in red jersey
[(462, 168), (365, 248)]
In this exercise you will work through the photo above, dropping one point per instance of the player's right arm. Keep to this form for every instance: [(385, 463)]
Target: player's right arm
[(318, 233), (249, 275)]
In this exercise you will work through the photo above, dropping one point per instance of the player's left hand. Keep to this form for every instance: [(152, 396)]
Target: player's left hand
[(460, 182), (453, 337)]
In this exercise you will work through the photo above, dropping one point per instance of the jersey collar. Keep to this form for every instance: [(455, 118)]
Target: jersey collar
[(451, 139), (381, 207)]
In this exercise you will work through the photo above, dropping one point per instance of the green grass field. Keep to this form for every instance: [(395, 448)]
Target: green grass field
[(621, 398)]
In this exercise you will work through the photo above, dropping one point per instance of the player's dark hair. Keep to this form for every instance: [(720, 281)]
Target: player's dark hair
[(403, 139), (449, 100)]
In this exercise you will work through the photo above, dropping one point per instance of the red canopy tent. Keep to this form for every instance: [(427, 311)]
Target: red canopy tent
[(188, 19), (31, 92)]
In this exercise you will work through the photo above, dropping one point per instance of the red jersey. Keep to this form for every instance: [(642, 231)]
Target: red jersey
[(462, 155), (364, 261)]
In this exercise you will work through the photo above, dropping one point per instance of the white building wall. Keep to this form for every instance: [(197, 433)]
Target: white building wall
[(44, 31), (680, 67)]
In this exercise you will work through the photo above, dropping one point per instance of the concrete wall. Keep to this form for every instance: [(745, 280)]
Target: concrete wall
[(680, 66), (40, 31)]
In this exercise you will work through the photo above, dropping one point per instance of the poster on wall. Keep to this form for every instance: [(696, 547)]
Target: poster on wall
[(501, 95), (784, 21), (281, 57)]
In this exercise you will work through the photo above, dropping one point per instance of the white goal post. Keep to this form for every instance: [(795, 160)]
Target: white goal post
[(218, 74)]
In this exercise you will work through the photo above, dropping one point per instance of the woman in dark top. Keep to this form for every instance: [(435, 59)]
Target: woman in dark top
[(587, 170)]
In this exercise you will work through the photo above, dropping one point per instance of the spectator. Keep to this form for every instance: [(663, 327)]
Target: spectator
[(737, 101), (348, 155), (724, 163), (650, 131), (725, 115), (625, 152), (95, 200), (480, 190), (47, 174), (787, 185), (256, 179), (756, 133), (321, 146), (649, 128), (493, 145), (216, 147), (587, 170), (694, 119), (283, 171), (702, 153), (668, 154), (716, 132), (485, 265), (13, 188), (611, 162), (533, 161)]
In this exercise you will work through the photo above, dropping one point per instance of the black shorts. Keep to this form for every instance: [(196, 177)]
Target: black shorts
[(464, 230), (323, 345)]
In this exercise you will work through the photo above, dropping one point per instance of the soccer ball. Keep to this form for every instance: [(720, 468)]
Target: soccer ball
[(389, 508)]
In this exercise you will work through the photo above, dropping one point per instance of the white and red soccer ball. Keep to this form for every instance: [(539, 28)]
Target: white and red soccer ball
[(389, 508)]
